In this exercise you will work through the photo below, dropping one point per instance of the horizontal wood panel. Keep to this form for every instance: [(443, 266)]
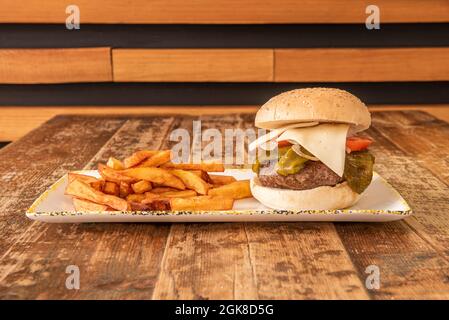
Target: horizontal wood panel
[(15, 122), (224, 11), (33, 66), (192, 65), (346, 65), (55, 65)]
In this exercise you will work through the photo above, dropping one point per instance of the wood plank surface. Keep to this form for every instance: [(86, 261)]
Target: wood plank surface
[(17, 121), (426, 152), (55, 65), (34, 163), (224, 11), (66, 244), (361, 65), (257, 261), (401, 249), (224, 261), (192, 65)]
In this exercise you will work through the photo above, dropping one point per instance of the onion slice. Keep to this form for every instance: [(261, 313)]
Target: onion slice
[(297, 149)]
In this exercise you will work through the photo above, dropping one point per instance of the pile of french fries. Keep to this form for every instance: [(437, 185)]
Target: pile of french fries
[(148, 180)]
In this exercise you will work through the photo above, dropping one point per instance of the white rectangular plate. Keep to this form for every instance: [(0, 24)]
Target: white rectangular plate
[(380, 202)]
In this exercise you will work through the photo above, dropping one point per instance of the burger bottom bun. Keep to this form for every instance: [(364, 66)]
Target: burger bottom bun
[(321, 198)]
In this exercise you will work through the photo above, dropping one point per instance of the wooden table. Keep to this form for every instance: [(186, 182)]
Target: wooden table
[(222, 260)]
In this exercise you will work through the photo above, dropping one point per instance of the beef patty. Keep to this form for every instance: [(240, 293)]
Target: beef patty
[(314, 174)]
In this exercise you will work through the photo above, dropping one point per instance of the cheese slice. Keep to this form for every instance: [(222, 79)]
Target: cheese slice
[(326, 141), (275, 133)]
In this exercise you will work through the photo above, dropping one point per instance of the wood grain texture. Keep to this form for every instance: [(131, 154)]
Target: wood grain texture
[(104, 277), (55, 65), (223, 261), (35, 162), (361, 65), (401, 249), (428, 155), (192, 65), (429, 144), (256, 261), (15, 122), (225, 11)]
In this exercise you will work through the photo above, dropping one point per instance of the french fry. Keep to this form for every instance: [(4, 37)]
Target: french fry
[(179, 194), (201, 203), (205, 166), (156, 175), (149, 196), (148, 180), (98, 185), (235, 190), (163, 189), (115, 164), (114, 175), (160, 204), (158, 159), (141, 186), (203, 175), (138, 157), (82, 190), (111, 188), (159, 185), (95, 183), (137, 206), (192, 181), (125, 189), (82, 177), (221, 180), (157, 204), (85, 205), (135, 197)]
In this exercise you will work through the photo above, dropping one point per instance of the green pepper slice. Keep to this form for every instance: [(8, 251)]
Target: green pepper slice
[(359, 170), (290, 163)]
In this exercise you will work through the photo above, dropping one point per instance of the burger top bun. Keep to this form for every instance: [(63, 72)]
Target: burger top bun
[(314, 105), (321, 198)]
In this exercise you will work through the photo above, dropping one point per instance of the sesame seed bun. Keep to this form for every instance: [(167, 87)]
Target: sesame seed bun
[(314, 105)]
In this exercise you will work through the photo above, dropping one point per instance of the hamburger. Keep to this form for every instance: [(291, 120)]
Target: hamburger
[(313, 157)]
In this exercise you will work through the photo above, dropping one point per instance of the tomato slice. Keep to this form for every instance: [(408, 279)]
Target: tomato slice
[(357, 143), (283, 143), (352, 143)]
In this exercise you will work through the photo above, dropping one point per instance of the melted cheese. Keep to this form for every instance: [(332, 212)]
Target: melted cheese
[(325, 141)]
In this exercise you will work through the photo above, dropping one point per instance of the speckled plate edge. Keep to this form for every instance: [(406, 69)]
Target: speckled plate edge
[(216, 216)]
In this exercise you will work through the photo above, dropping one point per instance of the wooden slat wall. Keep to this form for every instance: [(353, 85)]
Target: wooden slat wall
[(224, 11), (360, 65), (223, 65), (55, 65), (193, 65)]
